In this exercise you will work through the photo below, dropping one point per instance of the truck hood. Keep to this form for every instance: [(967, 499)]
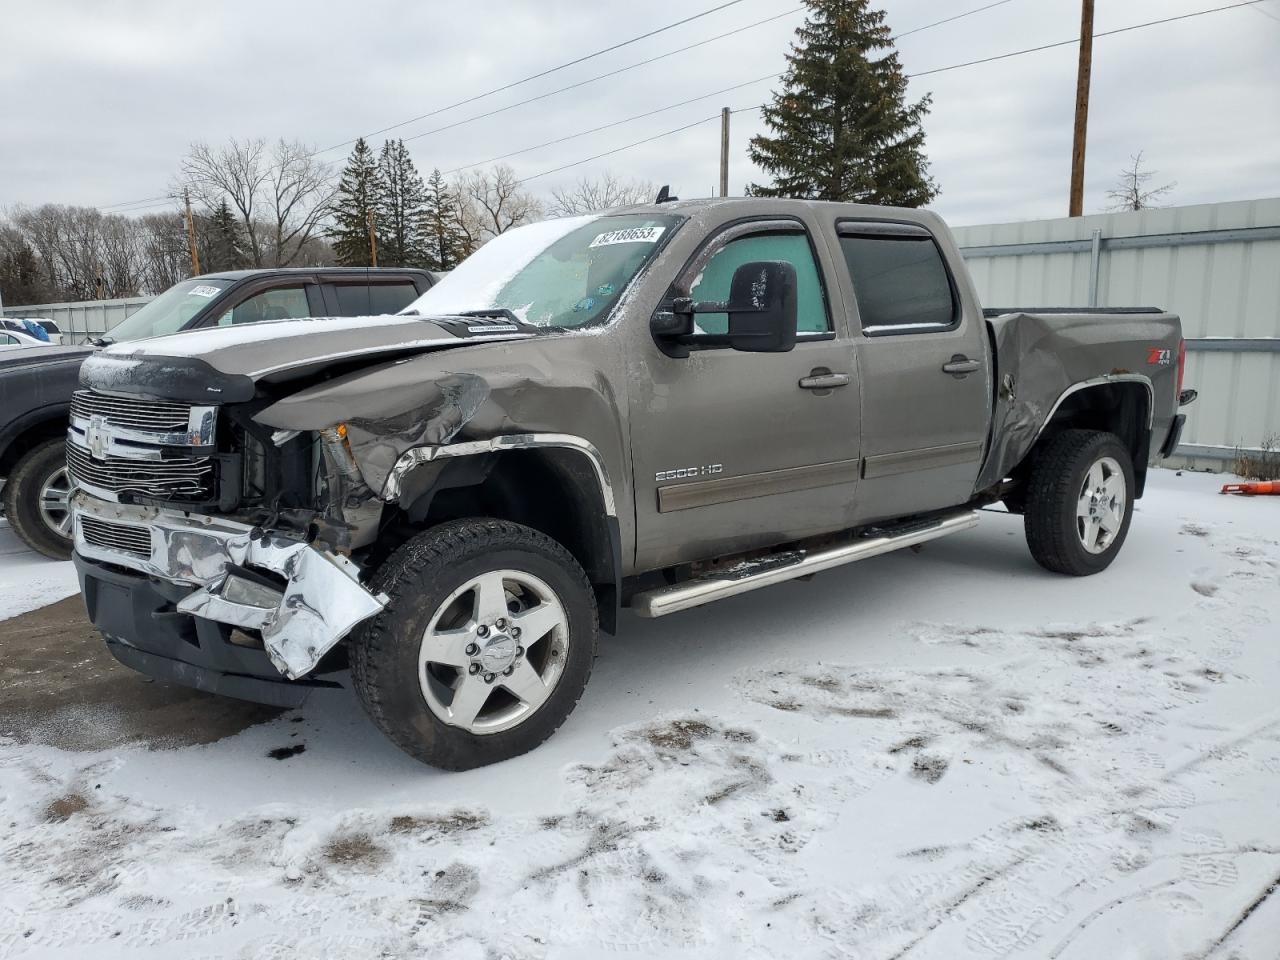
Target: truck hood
[(260, 350), (223, 364)]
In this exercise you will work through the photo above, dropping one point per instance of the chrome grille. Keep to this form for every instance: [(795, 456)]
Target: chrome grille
[(179, 478), (132, 412), (116, 536)]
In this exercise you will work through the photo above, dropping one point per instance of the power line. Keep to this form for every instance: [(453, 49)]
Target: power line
[(601, 76), (543, 73), (923, 73), (615, 123), (693, 100), (542, 96), (163, 201), (609, 153), (1074, 40)]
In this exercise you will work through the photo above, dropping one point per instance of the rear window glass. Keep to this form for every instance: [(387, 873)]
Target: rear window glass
[(373, 299), (900, 281)]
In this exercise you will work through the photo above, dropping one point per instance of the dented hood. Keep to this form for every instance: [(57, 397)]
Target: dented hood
[(282, 347)]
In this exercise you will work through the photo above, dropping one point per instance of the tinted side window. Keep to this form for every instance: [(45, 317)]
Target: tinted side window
[(5, 338), (713, 284), (288, 303), (899, 280), (373, 299)]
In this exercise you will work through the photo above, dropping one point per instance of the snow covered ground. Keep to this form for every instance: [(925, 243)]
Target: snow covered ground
[(944, 755), (28, 580)]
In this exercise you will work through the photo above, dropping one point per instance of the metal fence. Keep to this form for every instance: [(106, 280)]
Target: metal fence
[(1215, 265), (79, 321)]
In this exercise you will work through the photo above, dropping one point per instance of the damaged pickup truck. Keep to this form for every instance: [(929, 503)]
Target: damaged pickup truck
[(653, 408)]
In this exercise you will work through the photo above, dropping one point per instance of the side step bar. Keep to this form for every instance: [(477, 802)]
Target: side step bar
[(660, 601)]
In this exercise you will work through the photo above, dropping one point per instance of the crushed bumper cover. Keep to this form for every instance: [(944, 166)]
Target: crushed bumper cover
[(320, 602)]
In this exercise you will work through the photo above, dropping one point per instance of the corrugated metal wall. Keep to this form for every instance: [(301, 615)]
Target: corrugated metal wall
[(1215, 265), (84, 319)]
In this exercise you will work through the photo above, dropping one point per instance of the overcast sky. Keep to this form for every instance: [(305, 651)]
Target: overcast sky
[(99, 100)]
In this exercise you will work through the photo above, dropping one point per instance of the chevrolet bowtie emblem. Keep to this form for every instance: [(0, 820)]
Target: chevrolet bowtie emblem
[(95, 436)]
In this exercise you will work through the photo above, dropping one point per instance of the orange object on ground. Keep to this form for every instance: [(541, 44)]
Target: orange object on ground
[(1249, 489)]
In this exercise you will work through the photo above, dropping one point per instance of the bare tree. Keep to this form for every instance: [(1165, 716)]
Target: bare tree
[(492, 202), (605, 191), (281, 194), (1131, 191)]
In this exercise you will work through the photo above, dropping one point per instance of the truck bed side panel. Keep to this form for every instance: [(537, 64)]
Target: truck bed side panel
[(1049, 354)]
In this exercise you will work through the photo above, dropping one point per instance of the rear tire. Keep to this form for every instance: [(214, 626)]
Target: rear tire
[(447, 672), (35, 500), (1079, 502)]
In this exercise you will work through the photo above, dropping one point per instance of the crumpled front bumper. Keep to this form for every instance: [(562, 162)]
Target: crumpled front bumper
[(231, 565)]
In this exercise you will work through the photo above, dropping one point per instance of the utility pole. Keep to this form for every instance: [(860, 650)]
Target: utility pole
[(1082, 109), (724, 152), (373, 240), (191, 234)]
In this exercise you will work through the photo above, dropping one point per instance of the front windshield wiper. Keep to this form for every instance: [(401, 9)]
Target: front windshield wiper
[(496, 313), (102, 341)]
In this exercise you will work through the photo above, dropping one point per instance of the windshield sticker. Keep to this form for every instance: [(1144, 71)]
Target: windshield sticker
[(605, 289), (204, 290), (631, 235), (586, 303)]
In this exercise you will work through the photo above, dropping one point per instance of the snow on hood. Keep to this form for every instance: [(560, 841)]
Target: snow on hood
[(260, 349)]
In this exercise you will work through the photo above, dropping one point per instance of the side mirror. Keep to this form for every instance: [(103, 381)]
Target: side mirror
[(762, 307)]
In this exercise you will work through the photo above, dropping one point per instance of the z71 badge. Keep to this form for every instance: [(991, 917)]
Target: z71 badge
[(686, 473), (1159, 357)]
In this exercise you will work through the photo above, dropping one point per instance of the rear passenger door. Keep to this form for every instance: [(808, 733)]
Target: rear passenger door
[(370, 298), (923, 365)]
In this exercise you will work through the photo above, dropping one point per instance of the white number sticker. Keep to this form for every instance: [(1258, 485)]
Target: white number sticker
[(204, 290), (631, 235)]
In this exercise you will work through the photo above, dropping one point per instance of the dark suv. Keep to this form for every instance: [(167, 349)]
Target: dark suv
[(36, 385)]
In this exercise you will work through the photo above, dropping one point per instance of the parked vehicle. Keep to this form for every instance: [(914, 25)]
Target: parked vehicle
[(36, 386), (46, 331), (16, 340), (654, 408)]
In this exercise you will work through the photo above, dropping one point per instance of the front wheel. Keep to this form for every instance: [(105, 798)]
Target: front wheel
[(484, 648), (1079, 502), (37, 500)]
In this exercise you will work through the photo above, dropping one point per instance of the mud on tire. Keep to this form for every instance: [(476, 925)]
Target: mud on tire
[(1056, 492), (420, 579)]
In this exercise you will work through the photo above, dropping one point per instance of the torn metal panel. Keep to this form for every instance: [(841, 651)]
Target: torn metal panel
[(1045, 358), (320, 604)]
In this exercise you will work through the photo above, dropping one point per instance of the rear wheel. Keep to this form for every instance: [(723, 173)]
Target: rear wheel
[(37, 500), (1079, 502), (484, 648)]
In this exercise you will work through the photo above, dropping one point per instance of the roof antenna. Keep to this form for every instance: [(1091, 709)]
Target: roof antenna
[(664, 195)]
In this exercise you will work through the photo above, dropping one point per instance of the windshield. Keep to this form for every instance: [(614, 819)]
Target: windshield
[(169, 312), (560, 273)]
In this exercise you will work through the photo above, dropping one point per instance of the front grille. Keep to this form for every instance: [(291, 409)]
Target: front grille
[(116, 536), (178, 478), (152, 415)]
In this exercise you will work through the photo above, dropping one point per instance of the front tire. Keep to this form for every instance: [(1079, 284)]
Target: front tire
[(36, 500), (484, 648), (1079, 502)]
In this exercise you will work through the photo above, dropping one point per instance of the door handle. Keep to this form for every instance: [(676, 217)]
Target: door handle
[(960, 366), (823, 380)]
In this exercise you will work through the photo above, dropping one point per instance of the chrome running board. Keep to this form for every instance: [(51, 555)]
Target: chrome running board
[(660, 601)]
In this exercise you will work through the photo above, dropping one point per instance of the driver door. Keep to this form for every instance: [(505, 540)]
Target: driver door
[(734, 450)]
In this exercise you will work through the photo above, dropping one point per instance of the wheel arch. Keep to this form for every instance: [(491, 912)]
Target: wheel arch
[(29, 431), (558, 486), (1122, 404)]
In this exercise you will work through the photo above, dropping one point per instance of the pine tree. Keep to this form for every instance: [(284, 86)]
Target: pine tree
[(842, 127), (446, 241), (22, 277), (221, 240), (402, 229), (359, 195)]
